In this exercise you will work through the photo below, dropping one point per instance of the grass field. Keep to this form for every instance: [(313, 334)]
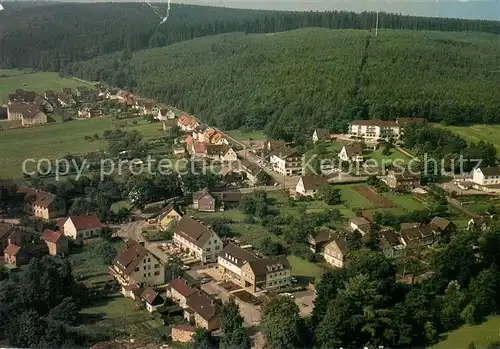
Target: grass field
[(406, 202), (56, 140), (376, 155), (476, 133), (12, 79), (304, 269), (246, 136), (482, 335)]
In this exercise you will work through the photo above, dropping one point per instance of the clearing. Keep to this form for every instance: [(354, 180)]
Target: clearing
[(12, 79), (243, 136), (52, 141), (476, 133), (482, 335)]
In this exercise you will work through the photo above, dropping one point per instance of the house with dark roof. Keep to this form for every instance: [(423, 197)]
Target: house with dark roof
[(287, 161), (404, 180), (56, 242), (22, 96), (486, 176), (252, 171), (66, 100), (360, 224), (199, 240), (415, 234), (336, 251), (231, 259), (321, 135), (165, 114), (352, 152), (134, 264), (273, 273), (443, 225), (27, 113), (272, 145), (152, 299), (309, 185), (391, 245), (220, 152), (179, 291), (203, 311), (42, 204), (204, 201), (82, 227), (319, 240)]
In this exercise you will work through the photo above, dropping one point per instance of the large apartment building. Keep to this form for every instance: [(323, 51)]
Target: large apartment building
[(27, 113), (287, 162), (199, 240), (270, 274), (381, 129), (42, 204)]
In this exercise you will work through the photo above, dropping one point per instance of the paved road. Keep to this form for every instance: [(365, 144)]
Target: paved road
[(132, 230)]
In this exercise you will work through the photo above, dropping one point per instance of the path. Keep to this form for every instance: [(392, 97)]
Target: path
[(458, 204), (406, 152)]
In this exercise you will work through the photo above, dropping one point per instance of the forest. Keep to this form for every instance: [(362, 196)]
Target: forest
[(288, 83), (47, 36)]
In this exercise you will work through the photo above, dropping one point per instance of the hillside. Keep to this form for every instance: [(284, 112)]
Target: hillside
[(289, 82), (48, 36)]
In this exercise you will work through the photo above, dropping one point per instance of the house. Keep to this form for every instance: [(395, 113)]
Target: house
[(27, 113), (179, 291), (218, 138), (152, 299), (199, 133), (403, 180), (319, 240), (134, 264), (391, 244), (220, 152), (56, 242), (485, 176), (479, 223), (445, 226), (360, 224), (380, 129), (272, 145), (202, 310), (182, 333), (66, 100), (5, 230), (196, 149), (252, 171), (169, 216), (132, 291), (231, 259), (51, 96), (310, 185), (287, 162), (43, 105), (145, 106), (320, 135), (113, 94), (187, 124), (21, 96), (352, 152), (179, 151), (204, 201), (41, 204), (90, 112), (15, 255), (209, 133), (273, 273), (82, 227), (414, 234), (199, 240), (165, 114), (227, 200), (336, 251)]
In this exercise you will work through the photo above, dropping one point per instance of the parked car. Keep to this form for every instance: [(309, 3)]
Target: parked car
[(293, 280), (288, 295), (206, 280), (185, 267)]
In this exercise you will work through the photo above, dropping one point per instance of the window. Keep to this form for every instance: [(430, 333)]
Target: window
[(157, 266), (149, 259), (157, 273), (208, 250), (149, 274), (137, 269), (149, 267), (144, 274), (216, 248), (144, 268)]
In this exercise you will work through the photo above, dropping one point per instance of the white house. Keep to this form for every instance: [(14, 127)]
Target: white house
[(360, 224), (320, 135), (309, 185), (380, 129), (187, 124), (486, 176), (287, 162), (352, 152), (82, 227), (231, 260), (335, 251), (199, 240), (152, 299), (165, 114), (221, 152)]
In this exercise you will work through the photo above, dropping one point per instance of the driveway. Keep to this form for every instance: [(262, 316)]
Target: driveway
[(305, 301)]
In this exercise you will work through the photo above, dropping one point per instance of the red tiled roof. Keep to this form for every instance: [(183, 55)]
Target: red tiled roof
[(181, 286), (12, 250), (188, 139), (51, 236), (199, 147), (86, 222)]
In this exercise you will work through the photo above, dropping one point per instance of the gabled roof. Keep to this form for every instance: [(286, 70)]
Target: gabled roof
[(12, 250), (171, 207), (152, 297), (52, 236), (202, 305), (236, 255), (86, 222), (440, 223), (286, 152), (340, 241), (182, 287), (490, 171), (199, 147), (197, 195), (416, 233), (194, 231), (217, 149), (264, 266), (311, 182), (37, 197), (391, 237), (251, 167), (5, 229), (322, 235), (275, 144), (353, 149), (359, 221), (28, 110), (129, 256), (322, 133)]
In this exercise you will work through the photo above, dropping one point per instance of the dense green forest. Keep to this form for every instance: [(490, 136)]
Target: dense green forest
[(48, 36), (290, 82)]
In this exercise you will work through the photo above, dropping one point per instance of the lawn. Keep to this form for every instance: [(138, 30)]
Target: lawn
[(405, 201), (10, 80), (117, 206), (353, 199), (234, 215), (482, 335), (52, 141), (304, 269), (381, 159), (246, 136), (119, 317), (476, 133)]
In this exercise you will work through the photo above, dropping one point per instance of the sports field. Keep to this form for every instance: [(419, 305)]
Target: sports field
[(476, 133), (12, 79), (55, 140)]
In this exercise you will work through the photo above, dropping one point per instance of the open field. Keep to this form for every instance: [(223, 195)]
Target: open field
[(352, 198), (12, 79), (246, 136), (304, 269), (373, 196), (476, 133), (376, 155), (482, 335), (51, 141), (405, 201)]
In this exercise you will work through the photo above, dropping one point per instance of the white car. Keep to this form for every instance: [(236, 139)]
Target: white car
[(185, 267), (288, 295)]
